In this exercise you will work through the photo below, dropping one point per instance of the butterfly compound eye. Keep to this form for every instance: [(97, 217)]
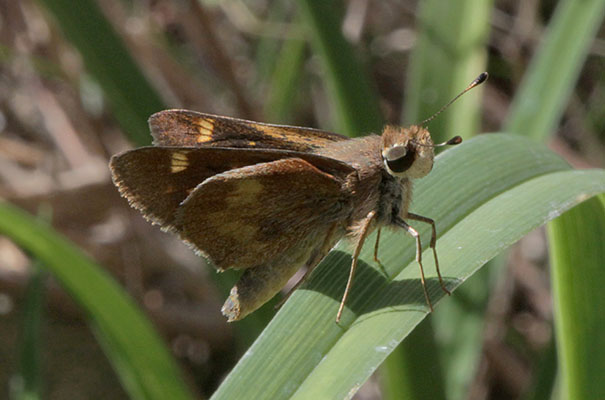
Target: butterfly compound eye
[(399, 158)]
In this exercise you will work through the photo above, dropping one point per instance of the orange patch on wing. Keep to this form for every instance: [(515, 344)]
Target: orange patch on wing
[(205, 128), (274, 132)]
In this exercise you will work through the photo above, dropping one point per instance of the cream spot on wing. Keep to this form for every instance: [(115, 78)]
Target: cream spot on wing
[(179, 162), (236, 229), (244, 196), (205, 129), (245, 192), (180, 156)]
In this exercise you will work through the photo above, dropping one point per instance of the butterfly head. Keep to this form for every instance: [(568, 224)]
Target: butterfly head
[(407, 152)]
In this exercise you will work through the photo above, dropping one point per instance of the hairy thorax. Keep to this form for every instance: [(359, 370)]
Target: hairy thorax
[(393, 195)]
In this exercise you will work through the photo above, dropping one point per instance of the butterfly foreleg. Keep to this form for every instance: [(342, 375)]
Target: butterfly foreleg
[(364, 230)]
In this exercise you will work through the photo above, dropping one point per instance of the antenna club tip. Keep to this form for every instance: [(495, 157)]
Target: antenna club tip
[(455, 140), (481, 78)]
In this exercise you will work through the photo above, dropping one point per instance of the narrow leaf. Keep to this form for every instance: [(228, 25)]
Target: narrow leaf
[(577, 256), (554, 70), (450, 51), (139, 355), (131, 96), (353, 97)]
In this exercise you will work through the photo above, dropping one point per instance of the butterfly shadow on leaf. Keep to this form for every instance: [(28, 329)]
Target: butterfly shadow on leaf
[(372, 290)]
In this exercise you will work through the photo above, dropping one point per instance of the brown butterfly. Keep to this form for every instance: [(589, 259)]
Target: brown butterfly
[(270, 199)]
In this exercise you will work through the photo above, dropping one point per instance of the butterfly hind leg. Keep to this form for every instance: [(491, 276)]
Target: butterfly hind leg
[(432, 245)]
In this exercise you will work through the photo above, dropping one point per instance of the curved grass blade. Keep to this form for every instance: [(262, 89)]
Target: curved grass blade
[(552, 75), (403, 379), (31, 382), (468, 234), (485, 194), (140, 357), (131, 96), (353, 97), (450, 51), (285, 81), (577, 257)]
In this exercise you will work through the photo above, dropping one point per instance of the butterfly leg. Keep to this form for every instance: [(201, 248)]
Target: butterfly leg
[(376, 247), (401, 223), (363, 233), (417, 217), (376, 259)]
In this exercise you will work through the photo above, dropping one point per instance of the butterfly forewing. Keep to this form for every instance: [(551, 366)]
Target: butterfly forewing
[(155, 180), (193, 129)]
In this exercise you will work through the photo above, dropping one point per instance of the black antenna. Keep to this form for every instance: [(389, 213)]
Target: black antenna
[(451, 142), (478, 81)]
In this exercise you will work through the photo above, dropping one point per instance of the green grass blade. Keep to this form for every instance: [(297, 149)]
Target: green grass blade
[(402, 379), (577, 257), (30, 385), (459, 327), (484, 194), (353, 97), (268, 48), (545, 376), (545, 90), (553, 72), (285, 82), (139, 355), (449, 53), (130, 95), (369, 341)]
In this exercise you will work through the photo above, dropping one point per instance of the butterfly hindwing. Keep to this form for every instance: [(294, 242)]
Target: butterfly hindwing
[(193, 129), (245, 217)]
